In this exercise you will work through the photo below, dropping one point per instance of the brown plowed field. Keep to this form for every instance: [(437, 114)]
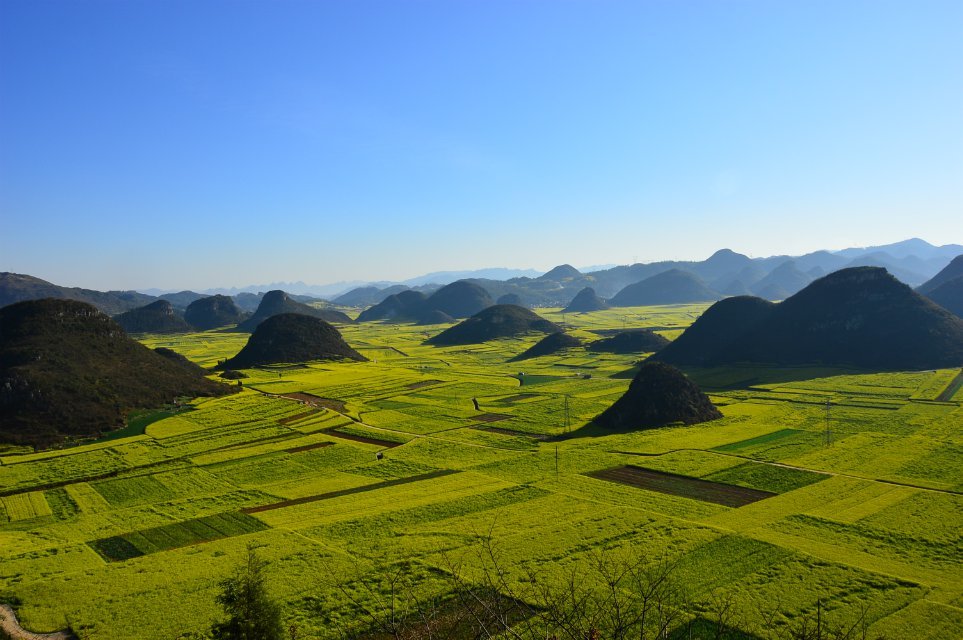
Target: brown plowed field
[(729, 495)]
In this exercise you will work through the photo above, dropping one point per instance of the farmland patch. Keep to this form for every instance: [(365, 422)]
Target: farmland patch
[(172, 536), (716, 492)]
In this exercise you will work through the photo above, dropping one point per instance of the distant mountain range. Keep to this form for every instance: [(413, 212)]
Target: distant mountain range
[(724, 273)]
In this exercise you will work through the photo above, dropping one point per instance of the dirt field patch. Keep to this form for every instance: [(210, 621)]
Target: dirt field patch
[(298, 416), (728, 495), (308, 447), (512, 432), (315, 401), (387, 444), (423, 383), (490, 417)]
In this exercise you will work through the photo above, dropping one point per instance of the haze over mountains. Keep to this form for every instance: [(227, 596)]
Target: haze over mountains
[(725, 273)]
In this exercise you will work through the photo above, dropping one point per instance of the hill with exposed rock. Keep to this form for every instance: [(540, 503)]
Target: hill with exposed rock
[(658, 395), (499, 321), (69, 370), (292, 337), (157, 317)]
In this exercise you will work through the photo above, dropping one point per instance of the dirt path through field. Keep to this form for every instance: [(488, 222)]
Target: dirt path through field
[(10, 626)]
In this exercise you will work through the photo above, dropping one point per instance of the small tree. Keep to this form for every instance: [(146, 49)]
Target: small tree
[(251, 613)]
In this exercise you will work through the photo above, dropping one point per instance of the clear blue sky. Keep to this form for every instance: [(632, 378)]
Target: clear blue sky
[(193, 144)]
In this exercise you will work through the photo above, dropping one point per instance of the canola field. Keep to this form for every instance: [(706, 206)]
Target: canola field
[(856, 508)]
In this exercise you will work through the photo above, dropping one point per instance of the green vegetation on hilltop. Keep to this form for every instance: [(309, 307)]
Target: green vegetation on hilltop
[(68, 370), (291, 337), (156, 317), (498, 321), (277, 302)]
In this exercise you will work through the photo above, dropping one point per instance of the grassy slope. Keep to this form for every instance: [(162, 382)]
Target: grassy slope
[(881, 530)]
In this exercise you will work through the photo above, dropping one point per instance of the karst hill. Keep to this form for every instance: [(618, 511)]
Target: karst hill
[(584, 301), (69, 370), (859, 317), (550, 344), (499, 321), (658, 395), (156, 317), (213, 312), (292, 337), (277, 302)]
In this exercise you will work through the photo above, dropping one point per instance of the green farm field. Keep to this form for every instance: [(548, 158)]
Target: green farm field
[(129, 536)]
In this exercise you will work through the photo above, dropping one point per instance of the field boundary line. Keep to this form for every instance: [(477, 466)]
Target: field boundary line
[(794, 467), (293, 502)]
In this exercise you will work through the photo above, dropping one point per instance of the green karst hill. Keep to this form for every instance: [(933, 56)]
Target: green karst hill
[(68, 370), (950, 272), (586, 300), (561, 272), (499, 321), (659, 394), (859, 317), (292, 337), (277, 302), (949, 295), (552, 343), (180, 360), (157, 317), (631, 341), (459, 299), (510, 298), (674, 286), (946, 287), (398, 307), (213, 312), (781, 282), (17, 287), (716, 329)]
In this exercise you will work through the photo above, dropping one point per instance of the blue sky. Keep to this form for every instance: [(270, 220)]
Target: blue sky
[(198, 144)]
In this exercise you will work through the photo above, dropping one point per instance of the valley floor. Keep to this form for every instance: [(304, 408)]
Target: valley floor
[(856, 509)]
